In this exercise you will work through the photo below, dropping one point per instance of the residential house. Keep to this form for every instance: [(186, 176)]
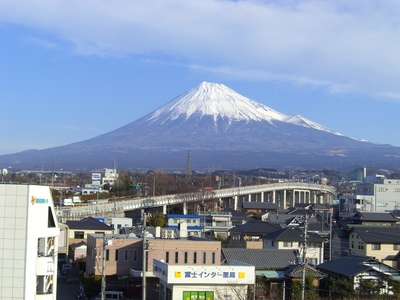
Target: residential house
[(379, 242), (259, 208), (339, 243), (270, 266), (78, 232), (373, 219), (238, 218), (360, 271), (249, 234), (293, 238)]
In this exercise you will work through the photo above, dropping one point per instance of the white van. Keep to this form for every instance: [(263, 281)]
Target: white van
[(111, 295)]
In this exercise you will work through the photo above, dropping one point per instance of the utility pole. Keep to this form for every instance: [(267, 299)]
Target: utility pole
[(304, 263), (103, 266), (144, 256), (330, 233)]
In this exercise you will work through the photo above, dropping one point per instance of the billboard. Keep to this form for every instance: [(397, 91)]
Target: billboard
[(96, 176)]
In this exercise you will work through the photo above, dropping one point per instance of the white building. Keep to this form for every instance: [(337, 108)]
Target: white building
[(204, 282), (376, 194), (28, 243), (118, 223), (110, 176)]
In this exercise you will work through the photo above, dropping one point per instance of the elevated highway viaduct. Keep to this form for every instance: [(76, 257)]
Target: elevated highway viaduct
[(285, 195)]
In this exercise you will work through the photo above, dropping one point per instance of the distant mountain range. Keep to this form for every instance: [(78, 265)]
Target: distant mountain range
[(222, 130)]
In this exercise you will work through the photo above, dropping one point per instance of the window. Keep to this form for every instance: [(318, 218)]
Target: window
[(213, 258), (126, 255), (287, 244), (185, 258), (195, 257), (134, 254), (176, 257), (107, 254), (116, 255), (376, 246), (396, 247), (312, 261), (272, 243), (204, 257), (167, 257), (79, 235)]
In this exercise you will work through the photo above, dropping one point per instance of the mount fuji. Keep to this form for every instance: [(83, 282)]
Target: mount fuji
[(221, 129)]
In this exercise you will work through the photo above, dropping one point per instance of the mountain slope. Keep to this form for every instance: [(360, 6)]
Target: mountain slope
[(222, 128)]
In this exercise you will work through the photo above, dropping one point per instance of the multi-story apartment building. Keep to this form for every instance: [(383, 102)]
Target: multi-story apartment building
[(29, 241), (376, 194), (192, 223)]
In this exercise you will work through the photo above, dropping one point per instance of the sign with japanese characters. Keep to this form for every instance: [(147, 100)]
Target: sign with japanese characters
[(200, 274)]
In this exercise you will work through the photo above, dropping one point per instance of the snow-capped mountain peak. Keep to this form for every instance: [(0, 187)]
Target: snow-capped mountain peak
[(217, 100), (220, 102)]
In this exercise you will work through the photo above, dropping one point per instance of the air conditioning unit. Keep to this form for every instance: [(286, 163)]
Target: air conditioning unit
[(170, 234)]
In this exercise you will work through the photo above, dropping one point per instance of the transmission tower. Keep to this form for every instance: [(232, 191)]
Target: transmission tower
[(188, 165)]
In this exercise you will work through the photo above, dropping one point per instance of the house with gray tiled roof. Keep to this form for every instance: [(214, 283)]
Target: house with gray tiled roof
[(293, 238), (269, 264), (259, 208), (248, 235), (379, 242), (358, 270), (373, 218), (238, 218), (79, 229), (340, 242)]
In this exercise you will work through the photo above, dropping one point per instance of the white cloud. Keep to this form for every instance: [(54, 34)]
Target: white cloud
[(344, 46)]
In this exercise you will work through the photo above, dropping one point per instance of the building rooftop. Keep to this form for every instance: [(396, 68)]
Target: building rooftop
[(255, 227), (88, 223), (262, 259)]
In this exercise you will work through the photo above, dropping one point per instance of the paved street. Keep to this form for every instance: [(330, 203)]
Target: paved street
[(66, 290)]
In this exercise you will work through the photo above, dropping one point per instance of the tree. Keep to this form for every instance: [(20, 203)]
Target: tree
[(156, 220), (340, 289), (92, 285)]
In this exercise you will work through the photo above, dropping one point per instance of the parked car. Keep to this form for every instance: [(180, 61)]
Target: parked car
[(65, 268)]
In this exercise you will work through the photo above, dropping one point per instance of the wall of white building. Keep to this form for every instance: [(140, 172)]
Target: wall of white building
[(28, 243)]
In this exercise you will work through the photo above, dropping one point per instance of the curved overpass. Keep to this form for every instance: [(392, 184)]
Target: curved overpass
[(283, 194)]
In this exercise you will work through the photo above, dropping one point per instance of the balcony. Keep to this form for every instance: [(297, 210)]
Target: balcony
[(45, 265)]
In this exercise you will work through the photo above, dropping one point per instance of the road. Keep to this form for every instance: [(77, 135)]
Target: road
[(66, 290)]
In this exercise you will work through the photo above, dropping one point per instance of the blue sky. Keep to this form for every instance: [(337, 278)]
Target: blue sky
[(72, 70)]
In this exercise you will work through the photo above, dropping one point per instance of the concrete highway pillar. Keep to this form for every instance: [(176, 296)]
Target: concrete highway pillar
[(273, 196), (164, 209), (262, 196), (284, 199), (184, 208)]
